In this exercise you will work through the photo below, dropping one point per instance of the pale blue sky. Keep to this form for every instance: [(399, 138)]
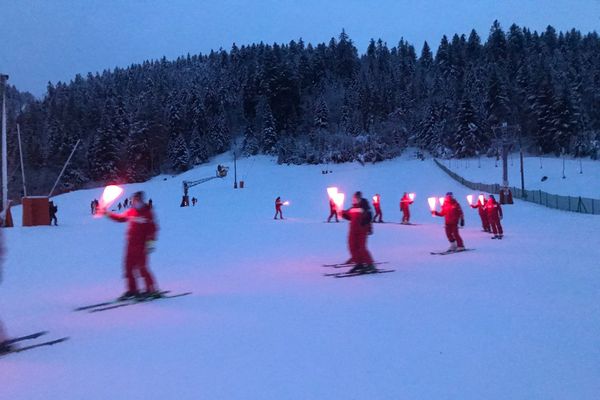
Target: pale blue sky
[(52, 40)]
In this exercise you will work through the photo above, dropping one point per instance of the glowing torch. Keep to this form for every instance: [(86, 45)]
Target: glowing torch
[(338, 199), (481, 199), (411, 196), (286, 203), (110, 194), (470, 199), (441, 199), (332, 191), (375, 199), (431, 201)]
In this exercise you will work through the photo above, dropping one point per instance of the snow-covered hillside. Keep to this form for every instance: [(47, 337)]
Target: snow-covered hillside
[(514, 319), (581, 176)]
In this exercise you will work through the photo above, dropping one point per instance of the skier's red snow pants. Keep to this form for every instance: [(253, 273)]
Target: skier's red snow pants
[(357, 243), (496, 227), (136, 260), (453, 236), (485, 223), (378, 214), (405, 214)]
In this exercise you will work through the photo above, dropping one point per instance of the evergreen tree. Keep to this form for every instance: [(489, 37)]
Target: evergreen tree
[(269, 134), (251, 146), (467, 140), (179, 154)]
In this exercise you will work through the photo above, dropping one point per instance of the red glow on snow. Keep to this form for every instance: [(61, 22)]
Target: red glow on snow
[(481, 199), (431, 201), (411, 196), (441, 201), (470, 199)]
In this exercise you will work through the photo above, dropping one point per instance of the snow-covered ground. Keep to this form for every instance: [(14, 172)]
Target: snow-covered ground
[(581, 176), (514, 319)]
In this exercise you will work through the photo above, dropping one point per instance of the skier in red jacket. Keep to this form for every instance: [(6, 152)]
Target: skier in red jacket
[(453, 215), (494, 215), (141, 234), (332, 211), (405, 202), (360, 228), (278, 204), (485, 224), (377, 206)]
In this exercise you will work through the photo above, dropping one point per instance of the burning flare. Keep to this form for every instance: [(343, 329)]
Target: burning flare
[(110, 194), (411, 196), (481, 198), (441, 201), (470, 199), (431, 201)]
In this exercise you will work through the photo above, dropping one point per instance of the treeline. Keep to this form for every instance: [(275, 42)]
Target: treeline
[(323, 103)]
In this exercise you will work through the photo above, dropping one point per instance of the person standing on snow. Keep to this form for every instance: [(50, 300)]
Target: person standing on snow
[(278, 204), (332, 211), (485, 224), (359, 216), (405, 202), (53, 209), (494, 215), (453, 215), (141, 234), (377, 206)]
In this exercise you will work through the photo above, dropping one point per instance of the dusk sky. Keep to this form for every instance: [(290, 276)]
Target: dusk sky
[(52, 40)]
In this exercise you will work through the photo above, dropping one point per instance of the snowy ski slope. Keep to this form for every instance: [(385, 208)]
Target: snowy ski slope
[(514, 319)]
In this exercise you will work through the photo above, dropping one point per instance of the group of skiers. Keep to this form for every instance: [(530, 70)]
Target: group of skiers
[(405, 202), (128, 202), (490, 213)]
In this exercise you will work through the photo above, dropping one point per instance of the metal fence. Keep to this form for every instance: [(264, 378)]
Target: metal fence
[(579, 204)]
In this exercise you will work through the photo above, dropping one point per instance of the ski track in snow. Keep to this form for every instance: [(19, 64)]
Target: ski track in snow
[(516, 319)]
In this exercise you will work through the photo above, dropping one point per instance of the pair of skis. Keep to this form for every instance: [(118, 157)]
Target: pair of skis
[(444, 253), (377, 270), (112, 304), (18, 349), (348, 274)]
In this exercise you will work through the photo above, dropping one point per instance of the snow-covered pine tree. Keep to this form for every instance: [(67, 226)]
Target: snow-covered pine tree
[(250, 146), (179, 154), (269, 134), (467, 139), (198, 148), (104, 151), (218, 133), (139, 159)]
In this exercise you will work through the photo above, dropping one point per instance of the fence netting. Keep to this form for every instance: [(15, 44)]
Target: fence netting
[(578, 204)]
